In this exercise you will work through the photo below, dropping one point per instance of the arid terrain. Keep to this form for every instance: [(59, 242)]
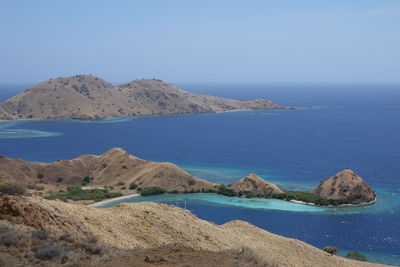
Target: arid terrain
[(90, 97), (255, 184), (35, 231), (114, 168), (345, 185)]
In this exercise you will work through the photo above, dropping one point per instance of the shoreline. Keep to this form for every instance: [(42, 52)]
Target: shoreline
[(141, 115), (97, 204), (331, 206)]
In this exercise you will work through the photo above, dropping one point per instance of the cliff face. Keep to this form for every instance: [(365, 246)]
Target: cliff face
[(345, 185), (89, 97), (255, 184), (110, 168), (148, 226)]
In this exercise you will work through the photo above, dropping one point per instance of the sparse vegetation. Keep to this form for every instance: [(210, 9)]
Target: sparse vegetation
[(133, 186), (39, 234), (153, 190), (223, 190), (331, 250), (356, 256), (86, 180), (9, 239), (10, 187), (46, 251), (77, 193)]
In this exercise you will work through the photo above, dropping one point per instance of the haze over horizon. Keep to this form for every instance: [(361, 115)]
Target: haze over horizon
[(207, 41)]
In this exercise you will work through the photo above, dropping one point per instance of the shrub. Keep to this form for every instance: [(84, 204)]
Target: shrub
[(250, 195), (46, 251), (77, 193), (94, 250), (60, 179), (123, 187), (223, 190), (8, 240), (133, 186), (120, 183), (139, 190), (92, 240), (86, 180), (66, 237), (9, 187), (356, 256), (42, 235), (331, 250), (153, 190)]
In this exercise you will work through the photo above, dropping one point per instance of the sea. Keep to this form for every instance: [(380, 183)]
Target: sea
[(334, 126)]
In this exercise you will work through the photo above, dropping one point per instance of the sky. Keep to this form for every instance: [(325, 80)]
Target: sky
[(288, 41)]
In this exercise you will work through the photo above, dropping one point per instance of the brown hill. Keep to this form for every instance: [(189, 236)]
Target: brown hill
[(255, 184), (90, 97), (114, 166), (345, 185), (148, 226)]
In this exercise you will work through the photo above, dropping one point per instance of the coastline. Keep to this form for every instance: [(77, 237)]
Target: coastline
[(97, 204), (338, 206)]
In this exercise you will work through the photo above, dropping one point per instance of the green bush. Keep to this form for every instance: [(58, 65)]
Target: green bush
[(331, 250), (153, 190), (223, 190), (356, 256), (133, 186), (120, 183), (76, 193), (86, 180)]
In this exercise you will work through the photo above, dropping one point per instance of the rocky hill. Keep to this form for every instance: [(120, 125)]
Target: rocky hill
[(345, 185), (46, 233), (113, 167), (89, 97), (254, 184)]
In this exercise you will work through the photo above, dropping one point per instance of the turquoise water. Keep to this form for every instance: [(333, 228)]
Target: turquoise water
[(356, 126)]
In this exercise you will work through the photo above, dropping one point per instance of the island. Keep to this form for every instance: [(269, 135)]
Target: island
[(116, 173), (90, 97)]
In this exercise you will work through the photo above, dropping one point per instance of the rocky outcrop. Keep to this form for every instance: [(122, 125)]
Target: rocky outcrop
[(345, 185), (89, 97), (113, 167), (254, 184), (136, 226)]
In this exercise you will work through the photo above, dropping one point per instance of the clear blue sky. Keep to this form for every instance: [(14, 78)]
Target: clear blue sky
[(201, 41)]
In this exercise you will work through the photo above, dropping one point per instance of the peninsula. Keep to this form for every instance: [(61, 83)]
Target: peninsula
[(90, 97), (116, 173)]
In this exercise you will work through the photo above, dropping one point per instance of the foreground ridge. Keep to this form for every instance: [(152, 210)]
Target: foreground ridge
[(144, 233)]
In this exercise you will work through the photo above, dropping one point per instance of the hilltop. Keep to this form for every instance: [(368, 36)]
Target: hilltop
[(252, 183), (90, 97), (141, 234), (345, 185)]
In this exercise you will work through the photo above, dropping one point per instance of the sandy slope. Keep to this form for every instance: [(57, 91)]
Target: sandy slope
[(149, 225)]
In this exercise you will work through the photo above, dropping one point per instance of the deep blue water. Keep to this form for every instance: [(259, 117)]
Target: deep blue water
[(335, 127)]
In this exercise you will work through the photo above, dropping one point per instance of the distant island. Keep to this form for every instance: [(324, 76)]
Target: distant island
[(90, 97), (116, 173)]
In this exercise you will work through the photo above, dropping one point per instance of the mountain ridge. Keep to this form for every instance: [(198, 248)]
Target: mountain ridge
[(90, 97)]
